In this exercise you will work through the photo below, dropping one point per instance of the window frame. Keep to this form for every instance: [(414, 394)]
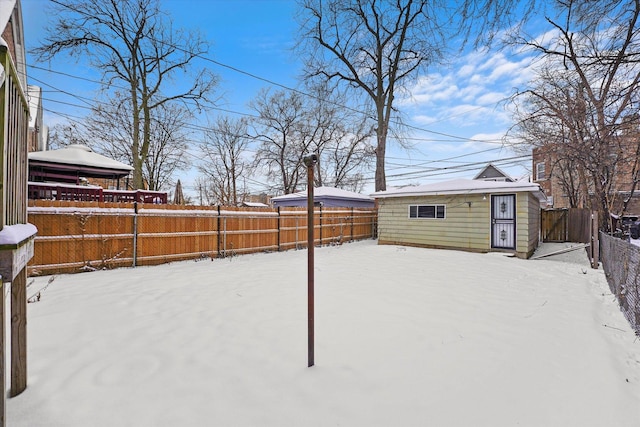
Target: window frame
[(435, 207), (544, 171)]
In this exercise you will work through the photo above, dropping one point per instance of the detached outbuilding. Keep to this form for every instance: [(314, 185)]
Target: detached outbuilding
[(465, 214), (325, 196)]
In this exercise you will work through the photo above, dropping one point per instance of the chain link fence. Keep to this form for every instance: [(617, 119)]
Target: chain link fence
[(621, 262)]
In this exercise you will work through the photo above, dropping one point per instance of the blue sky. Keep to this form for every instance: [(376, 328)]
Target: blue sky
[(454, 111)]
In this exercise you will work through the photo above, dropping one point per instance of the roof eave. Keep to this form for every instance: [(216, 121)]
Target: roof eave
[(497, 190)]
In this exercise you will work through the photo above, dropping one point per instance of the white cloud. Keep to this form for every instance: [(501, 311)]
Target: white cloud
[(469, 93), (491, 98), (466, 70), (424, 119), (490, 137)]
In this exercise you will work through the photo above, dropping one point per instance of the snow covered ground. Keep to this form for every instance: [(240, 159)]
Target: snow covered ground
[(404, 337)]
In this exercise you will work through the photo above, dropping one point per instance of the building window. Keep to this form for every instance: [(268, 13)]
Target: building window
[(427, 211), (540, 171)]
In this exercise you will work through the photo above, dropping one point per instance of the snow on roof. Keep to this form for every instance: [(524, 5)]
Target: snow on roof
[(460, 186), (34, 93), (6, 10), (336, 193), (79, 155), (255, 204)]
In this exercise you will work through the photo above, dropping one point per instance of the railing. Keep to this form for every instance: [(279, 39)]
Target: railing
[(14, 126), (13, 143), (83, 193)]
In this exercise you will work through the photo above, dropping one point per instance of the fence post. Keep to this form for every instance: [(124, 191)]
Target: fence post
[(352, 219), (19, 333), (219, 236), (320, 224), (279, 227), (224, 237), (595, 242), (135, 233), (3, 352)]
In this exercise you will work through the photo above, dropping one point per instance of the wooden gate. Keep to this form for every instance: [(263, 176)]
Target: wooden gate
[(555, 225), (566, 225)]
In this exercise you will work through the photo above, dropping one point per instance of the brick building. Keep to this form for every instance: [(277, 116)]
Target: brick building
[(567, 184)]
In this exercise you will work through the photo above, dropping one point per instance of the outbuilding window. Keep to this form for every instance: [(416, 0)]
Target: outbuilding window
[(427, 211)]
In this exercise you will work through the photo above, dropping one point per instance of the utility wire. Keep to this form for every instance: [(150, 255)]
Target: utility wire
[(252, 75)]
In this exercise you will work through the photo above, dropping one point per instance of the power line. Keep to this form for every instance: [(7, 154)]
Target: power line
[(451, 137), (252, 75)]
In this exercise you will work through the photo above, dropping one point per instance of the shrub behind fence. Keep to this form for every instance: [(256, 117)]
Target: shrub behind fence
[(621, 262), (77, 236)]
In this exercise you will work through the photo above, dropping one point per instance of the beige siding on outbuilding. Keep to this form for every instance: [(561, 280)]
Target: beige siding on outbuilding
[(532, 236), (527, 224), (467, 224)]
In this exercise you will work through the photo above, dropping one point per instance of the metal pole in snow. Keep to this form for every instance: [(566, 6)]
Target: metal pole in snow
[(310, 161)]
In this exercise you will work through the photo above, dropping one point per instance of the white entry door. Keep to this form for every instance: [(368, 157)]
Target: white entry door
[(503, 221)]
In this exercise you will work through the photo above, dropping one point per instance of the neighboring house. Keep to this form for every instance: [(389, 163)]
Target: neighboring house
[(493, 173), (550, 172), (38, 132), (16, 235), (77, 173), (254, 205), (472, 215), (565, 182), (325, 196)]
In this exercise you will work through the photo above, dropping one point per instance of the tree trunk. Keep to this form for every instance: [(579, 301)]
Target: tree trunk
[(137, 181), (381, 137)]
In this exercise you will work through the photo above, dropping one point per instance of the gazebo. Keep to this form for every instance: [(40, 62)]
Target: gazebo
[(74, 164), (77, 173)]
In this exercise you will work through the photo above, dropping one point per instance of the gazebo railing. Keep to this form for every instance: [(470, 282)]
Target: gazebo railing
[(52, 191)]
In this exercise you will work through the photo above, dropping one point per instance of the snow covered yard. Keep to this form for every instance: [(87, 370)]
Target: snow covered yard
[(404, 337)]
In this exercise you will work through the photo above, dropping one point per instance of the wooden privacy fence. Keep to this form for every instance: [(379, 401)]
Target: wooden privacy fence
[(80, 236), (566, 225)]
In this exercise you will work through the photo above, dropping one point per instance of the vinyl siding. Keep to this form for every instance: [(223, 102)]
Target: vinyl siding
[(467, 224), (465, 227), (534, 224)]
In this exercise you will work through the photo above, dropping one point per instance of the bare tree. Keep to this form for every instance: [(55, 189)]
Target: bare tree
[(344, 147), (378, 46), (134, 44), (586, 95), (291, 125), (285, 137), (373, 46), (64, 134), (225, 161), (111, 131)]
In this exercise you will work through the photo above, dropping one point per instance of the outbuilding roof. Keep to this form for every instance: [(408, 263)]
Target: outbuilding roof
[(462, 186), (336, 193)]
